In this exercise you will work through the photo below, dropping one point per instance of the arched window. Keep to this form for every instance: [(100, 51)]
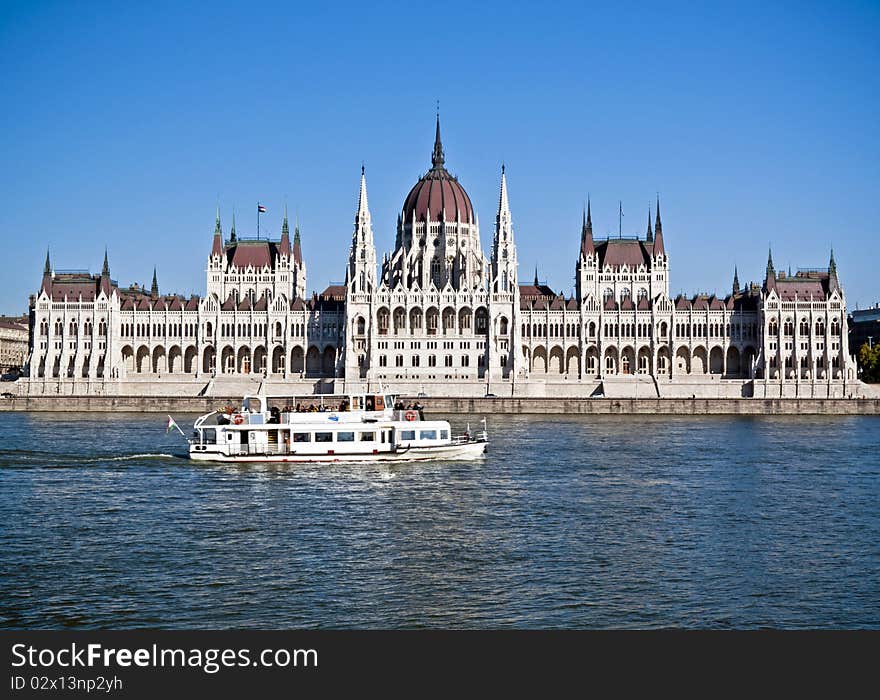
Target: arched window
[(607, 294), (435, 271), (503, 325)]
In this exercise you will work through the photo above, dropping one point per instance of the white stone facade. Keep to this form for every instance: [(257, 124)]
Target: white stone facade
[(439, 316)]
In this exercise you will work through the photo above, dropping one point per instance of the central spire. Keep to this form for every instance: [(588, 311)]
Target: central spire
[(438, 158)]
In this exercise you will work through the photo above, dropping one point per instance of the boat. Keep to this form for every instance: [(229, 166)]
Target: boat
[(330, 428)]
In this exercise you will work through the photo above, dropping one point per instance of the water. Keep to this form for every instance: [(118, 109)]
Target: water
[(580, 522)]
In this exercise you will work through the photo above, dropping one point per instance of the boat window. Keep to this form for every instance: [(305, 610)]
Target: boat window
[(380, 403), (210, 436), (370, 404), (427, 435), (323, 437), (302, 437), (444, 434), (407, 434), (345, 437), (368, 437), (255, 419)]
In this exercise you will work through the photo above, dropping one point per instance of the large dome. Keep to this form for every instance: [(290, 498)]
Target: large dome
[(437, 191)]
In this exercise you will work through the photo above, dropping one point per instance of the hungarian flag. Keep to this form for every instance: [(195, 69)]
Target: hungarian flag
[(261, 209), (172, 426)]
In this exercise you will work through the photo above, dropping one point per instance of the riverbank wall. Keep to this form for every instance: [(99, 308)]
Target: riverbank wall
[(488, 405)]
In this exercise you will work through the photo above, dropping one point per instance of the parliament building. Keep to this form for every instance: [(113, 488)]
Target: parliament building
[(439, 316)]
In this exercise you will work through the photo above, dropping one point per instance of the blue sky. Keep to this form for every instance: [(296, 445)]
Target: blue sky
[(756, 122)]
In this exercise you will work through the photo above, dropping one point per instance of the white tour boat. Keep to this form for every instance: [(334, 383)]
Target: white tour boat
[(349, 428)]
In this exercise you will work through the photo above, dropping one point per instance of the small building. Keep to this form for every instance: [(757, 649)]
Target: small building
[(864, 327), (13, 343)]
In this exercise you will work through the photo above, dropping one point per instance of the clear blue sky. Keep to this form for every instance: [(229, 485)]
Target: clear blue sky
[(757, 123)]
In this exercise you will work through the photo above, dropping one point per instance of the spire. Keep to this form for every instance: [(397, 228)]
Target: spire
[(47, 268), (217, 246), (232, 236), (363, 204), (284, 246), (105, 275), (658, 227), (587, 247), (536, 275), (297, 246), (770, 277), (154, 288), (735, 280), (438, 158), (659, 248), (649, 236), (833, 280), (503, 203)]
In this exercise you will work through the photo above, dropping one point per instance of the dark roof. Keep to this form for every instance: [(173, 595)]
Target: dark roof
[(253, 253), (617, 252), (334, 292), (803, 285), (438, 192)]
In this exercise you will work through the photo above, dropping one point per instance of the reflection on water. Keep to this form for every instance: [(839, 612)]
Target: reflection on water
[(611, 521)]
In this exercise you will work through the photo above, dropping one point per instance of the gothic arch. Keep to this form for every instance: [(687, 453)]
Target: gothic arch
[(278, 357), (682, 360), (244, 360), (573, 361), (643, 361), (175, 360), (328, 363), (297, 359), (716, 360), (699, 361), (664, 362), (260, 355), (159, 359), (609, 361), (313, 362), (127, 359), (539, 360), (591, 361), (628, 360), (209, 359), (227, 357), (556, 361), (190, 359)]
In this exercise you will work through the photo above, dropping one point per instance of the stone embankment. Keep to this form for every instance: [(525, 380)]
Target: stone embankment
[(511, 405)]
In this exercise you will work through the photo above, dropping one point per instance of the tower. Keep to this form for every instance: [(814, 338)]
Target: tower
[(360, 287), (504, 295), (585, 268)]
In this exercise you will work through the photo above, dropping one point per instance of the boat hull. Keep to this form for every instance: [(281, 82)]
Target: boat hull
[(465, 451)]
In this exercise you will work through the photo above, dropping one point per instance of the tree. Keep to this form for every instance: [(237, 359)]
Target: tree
[(869, 361)]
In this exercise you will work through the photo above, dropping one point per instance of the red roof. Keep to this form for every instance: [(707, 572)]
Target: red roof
[(438, 192), (256, 254), (617, 252), (334, 292)]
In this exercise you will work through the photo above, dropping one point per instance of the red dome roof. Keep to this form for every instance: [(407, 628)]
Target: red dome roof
[(437, 191)]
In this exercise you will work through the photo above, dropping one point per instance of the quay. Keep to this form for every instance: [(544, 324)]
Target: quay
[(479, 405)]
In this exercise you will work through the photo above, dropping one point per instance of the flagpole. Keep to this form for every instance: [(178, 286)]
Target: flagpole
[(258, 220)]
